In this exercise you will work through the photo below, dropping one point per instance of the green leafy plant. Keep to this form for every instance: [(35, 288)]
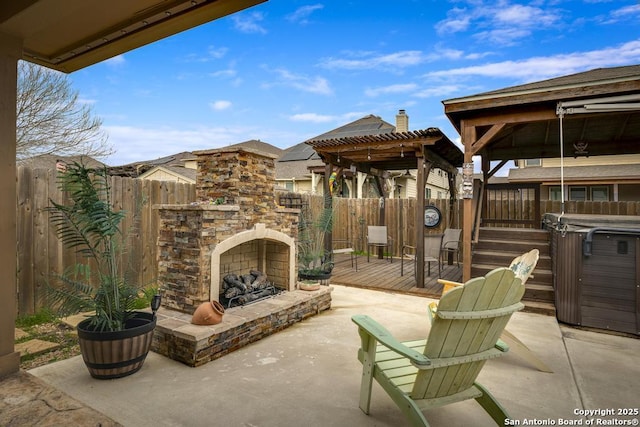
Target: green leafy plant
[(87, 223), (313, 258)]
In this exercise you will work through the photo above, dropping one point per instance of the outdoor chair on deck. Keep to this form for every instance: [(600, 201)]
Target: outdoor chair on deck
[(423, 374), (450, 245), (345, 247), (522, 266), (432, 244), (377, 237)]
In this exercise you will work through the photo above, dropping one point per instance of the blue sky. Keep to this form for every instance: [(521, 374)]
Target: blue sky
[(286, 71)]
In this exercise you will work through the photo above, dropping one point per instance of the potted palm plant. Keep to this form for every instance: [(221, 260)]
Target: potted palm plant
[(314, 260), (115, 338)]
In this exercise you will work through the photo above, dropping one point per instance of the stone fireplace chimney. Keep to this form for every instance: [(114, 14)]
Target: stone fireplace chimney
[(402, 121), (233, 226)]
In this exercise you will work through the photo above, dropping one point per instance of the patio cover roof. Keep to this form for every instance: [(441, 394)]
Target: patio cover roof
[(68, 35), (520, 122)]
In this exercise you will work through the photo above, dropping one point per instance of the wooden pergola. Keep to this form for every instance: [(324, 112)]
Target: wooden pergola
[(586, 114), (376, 155)]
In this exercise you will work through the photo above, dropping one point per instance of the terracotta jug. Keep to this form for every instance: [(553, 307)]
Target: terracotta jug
[(208, 313)]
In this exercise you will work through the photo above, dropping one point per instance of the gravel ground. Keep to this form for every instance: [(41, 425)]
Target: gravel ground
[(54, 332)]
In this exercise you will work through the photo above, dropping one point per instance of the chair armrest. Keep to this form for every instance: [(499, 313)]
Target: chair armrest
[(380, 334), (454, 247), (405, 247), (448, 285)]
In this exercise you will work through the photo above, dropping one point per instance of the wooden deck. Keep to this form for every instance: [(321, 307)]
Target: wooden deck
[(380, 274)]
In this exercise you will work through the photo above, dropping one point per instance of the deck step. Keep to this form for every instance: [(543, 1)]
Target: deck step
[(512, 246), (528, 234), (497, 247), (503, 258), (537, 307)]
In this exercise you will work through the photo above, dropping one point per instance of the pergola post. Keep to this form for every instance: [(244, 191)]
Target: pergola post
[(468, 137), (328, 204), (420, 202), (10, 52)]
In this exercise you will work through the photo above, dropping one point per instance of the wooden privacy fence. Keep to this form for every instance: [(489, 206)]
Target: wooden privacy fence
[(40, 254), (519, 206), (352, 216)]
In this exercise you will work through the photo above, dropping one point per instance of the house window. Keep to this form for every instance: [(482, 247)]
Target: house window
[(600, 193), (555, 193), (288, 185), (532, 162), (578, 193), (427, 193)]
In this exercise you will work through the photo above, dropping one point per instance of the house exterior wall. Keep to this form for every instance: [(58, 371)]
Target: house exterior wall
[(161, 175), (623, 159), (624, 190), (437, 182)]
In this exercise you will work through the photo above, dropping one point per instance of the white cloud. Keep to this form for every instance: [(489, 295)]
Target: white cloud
[(385, 90), (116, 61), (503, 36), (86, 101), (249, 22), (318, 85), (151, 143), (438, 91), (457, 21), (627, 12), (302, 14), (220, 105), (211, 54), (370, 60), (324, 118), (217, 52), (312, 117), (538, 68), (227, 73), (518, 14), (499, 22)]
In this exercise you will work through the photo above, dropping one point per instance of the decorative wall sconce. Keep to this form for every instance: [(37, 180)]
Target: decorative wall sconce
[(467, 180)]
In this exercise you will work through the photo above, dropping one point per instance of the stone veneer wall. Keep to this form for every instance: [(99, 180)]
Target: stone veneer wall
[(195, 345), (188, 233), (242, 177)]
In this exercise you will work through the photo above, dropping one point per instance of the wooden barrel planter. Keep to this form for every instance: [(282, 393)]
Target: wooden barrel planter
[(109, 355)]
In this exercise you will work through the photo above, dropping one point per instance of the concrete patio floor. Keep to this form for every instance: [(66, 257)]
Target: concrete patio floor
[(308, 375)]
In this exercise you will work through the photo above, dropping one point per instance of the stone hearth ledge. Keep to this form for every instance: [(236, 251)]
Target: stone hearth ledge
[(194, 345)]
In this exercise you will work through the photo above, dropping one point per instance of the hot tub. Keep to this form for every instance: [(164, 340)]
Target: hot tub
[(596, 270)]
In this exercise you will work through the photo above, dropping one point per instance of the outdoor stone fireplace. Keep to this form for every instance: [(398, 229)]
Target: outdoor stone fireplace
[(233, 227)]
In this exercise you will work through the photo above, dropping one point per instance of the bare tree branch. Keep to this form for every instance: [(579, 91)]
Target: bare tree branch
[(51, 119)]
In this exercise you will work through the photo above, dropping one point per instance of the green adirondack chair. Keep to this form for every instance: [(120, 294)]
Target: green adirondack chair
[(424, 374)]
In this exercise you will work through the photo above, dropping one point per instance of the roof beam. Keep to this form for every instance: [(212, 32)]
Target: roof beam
[(485, 139)]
